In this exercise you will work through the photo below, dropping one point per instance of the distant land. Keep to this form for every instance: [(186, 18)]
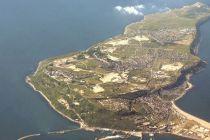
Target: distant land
[(129, 83)]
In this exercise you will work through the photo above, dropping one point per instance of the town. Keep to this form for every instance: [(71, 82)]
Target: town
[(120, 83)]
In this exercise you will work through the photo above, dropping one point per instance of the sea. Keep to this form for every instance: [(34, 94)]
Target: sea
[(33, 30)]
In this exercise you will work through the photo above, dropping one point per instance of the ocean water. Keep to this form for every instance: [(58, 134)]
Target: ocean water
[(33, 30), (197, 100)]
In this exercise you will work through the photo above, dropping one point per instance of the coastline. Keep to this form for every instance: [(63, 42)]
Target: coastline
[(50, 103), (191, 117), (194, 50), (81, 124), (174, 106), (187, 115)]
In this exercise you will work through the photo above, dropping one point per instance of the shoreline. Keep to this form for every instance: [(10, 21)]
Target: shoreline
[(186, 114), (194, 51), (191, 117), (83, 126), (49, 102)]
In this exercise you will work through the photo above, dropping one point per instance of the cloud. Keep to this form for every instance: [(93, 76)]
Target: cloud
[(159, 9), (131, 10), (140, 10), (119, 8), (141, 6), (164, 9)]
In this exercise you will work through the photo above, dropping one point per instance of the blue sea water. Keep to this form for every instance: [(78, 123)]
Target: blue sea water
[(33, 30), (197, 100)]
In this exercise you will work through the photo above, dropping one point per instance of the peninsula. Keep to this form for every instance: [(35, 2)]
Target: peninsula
[(130, 81)]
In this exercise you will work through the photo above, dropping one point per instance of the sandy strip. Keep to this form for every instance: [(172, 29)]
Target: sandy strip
[(187, 115), (191, 117)]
